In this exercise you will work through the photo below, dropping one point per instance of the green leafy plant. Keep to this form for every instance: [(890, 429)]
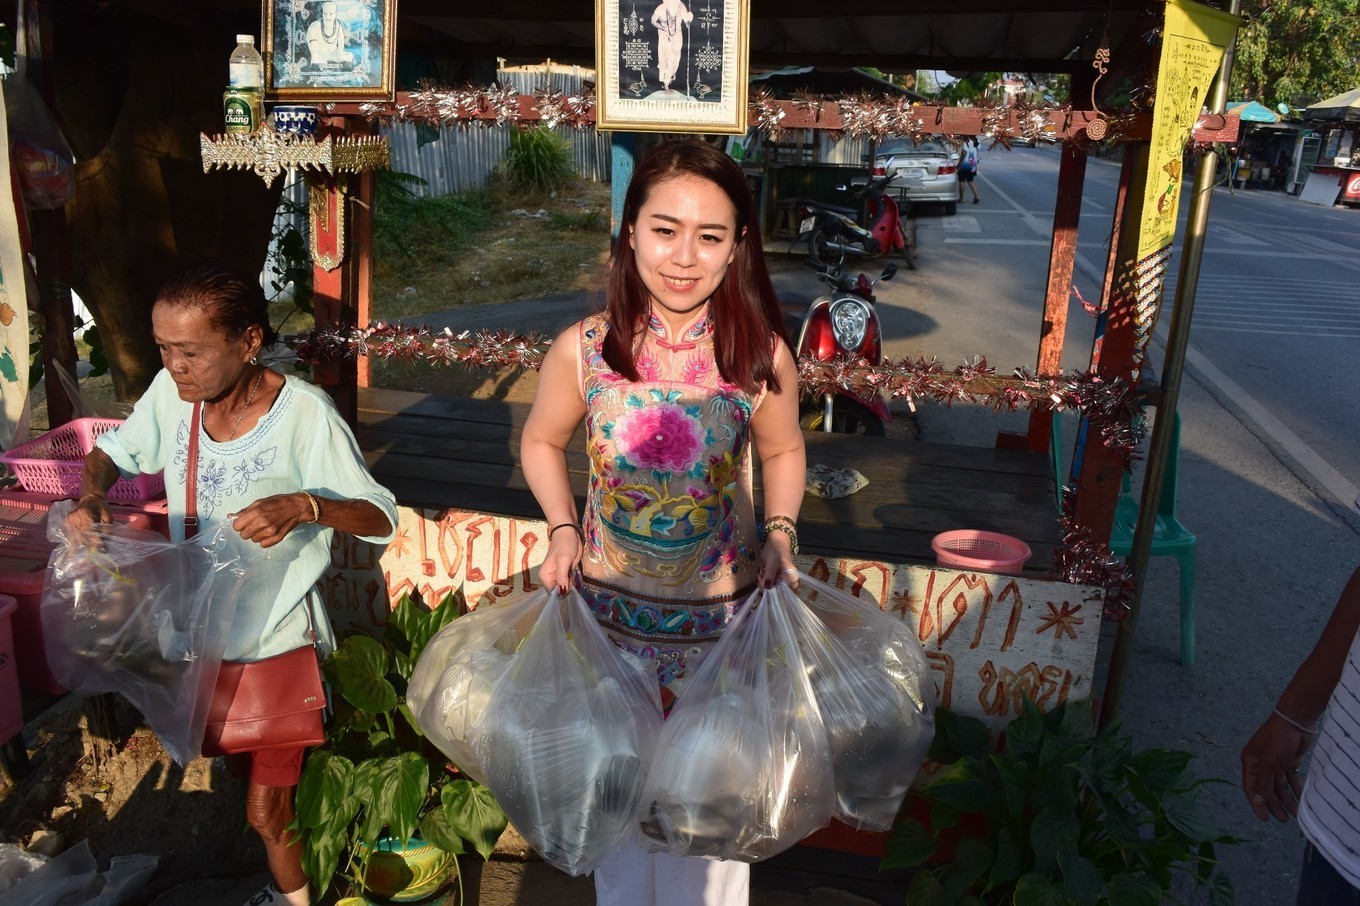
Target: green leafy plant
[(377, 776), (537, 158), (1067, 815)]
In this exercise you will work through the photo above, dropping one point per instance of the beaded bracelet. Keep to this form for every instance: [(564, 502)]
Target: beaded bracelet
[(316, 507), (1292, 722), (580, 532), (783, 524)]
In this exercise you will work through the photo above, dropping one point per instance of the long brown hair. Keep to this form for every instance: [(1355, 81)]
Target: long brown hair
[(744, 309)]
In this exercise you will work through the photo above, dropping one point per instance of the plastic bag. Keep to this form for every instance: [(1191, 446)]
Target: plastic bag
[(40, 154), (575, 722), (451, 683), (74, 878), (872, 683), (132, 613), (743, 767)]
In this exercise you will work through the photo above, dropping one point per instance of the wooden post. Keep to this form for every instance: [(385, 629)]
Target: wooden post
[(1114, 350), (50, 251), (361, 247), (58, 312), (337, 271), (1062, 259)]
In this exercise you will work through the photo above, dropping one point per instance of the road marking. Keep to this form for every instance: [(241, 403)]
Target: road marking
[(1034, 223), (1277, 434), (1228, 234), (1029, 242), (1269, 308), (1328, 478), (962, 223)]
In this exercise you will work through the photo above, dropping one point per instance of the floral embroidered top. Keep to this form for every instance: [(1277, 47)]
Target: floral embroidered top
[(301, 443), (671, 545)]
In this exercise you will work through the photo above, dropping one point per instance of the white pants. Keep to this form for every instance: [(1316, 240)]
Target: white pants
[(631, 876)]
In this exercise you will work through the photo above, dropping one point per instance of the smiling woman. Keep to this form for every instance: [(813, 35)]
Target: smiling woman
[(684, 372)]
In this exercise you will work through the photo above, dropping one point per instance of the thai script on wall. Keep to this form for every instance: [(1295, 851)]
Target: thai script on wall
[(991, 639)]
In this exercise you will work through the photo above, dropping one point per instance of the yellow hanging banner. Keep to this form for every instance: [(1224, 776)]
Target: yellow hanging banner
[(1194, 40)]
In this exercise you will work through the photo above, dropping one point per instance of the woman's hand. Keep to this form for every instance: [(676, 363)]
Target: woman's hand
[(97, 475), (564, 555), (1270, 768), (91, 509), (268, 520), (776, 562)]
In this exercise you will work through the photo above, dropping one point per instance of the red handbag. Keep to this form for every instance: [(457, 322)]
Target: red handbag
[(268, 704), (273, 703)]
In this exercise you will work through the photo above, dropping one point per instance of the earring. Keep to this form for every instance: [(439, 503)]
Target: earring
[(254, 360)]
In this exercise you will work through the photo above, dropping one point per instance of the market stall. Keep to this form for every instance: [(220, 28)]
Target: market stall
[(1334, 176), (467, 521)]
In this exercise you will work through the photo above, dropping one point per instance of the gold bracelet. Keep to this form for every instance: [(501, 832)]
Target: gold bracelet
[(316, 507), (783, 524)]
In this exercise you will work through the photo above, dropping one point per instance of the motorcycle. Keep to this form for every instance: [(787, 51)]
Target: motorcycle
[(840, 323), (832, 232)]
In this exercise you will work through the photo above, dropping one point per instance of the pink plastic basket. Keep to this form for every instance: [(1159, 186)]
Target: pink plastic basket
[(984, 551), (51, 463)]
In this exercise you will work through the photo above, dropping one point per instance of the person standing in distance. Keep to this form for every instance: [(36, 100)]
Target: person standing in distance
[(968, 167)]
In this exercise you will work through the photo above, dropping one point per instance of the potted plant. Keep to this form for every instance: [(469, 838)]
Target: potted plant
[(1059, 813), (378, 804)]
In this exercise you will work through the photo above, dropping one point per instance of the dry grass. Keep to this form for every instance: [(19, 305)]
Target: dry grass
[(493, 245), (434, 254)]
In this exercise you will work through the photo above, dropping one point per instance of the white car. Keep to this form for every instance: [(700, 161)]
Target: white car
[(922, 172)]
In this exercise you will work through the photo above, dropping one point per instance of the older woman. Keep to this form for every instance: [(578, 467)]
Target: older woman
[(275, 461)]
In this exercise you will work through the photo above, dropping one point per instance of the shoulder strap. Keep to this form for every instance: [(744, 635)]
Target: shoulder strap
[(191, 478)]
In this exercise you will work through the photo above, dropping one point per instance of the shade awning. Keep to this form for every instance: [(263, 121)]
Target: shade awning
[(1343, 107), (1252, 112)]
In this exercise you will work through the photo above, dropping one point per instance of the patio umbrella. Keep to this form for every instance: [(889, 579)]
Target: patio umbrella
[(1344, 107), (1252, 112)]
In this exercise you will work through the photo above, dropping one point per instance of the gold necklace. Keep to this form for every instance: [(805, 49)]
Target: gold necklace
[(249, 399)]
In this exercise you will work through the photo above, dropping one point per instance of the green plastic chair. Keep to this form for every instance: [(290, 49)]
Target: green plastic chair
[(1170, 538)]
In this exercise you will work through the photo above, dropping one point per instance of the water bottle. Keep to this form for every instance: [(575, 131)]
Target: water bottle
[(243, 101), (246, 68)]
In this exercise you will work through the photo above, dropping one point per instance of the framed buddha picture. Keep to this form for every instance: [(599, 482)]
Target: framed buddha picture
[(329, 50), (671, 65)]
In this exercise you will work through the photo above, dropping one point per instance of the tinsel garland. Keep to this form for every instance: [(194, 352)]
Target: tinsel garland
[(480, 349), (861, 115), (1110, 405), (1082, 560), (492, 105)]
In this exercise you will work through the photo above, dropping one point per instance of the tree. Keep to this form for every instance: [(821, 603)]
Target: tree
[(1296, 53), (133, 91), (976, 88)]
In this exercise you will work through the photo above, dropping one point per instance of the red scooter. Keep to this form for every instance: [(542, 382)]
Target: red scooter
[(833, 232), (840, 324)]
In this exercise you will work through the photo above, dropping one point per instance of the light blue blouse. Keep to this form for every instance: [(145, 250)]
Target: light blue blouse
[(301, 444)]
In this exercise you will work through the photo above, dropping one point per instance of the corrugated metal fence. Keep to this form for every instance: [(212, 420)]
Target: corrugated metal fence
[(457, 160)]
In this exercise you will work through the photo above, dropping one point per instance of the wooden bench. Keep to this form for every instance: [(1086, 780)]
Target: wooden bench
[(438, 451)]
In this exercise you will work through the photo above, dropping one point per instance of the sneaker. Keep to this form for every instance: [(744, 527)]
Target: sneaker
[(268, 896)]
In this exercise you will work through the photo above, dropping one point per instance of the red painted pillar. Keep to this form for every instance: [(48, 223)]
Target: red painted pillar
[(1062, 260)]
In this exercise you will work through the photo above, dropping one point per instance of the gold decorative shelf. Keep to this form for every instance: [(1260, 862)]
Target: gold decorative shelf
[(269, 153)]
